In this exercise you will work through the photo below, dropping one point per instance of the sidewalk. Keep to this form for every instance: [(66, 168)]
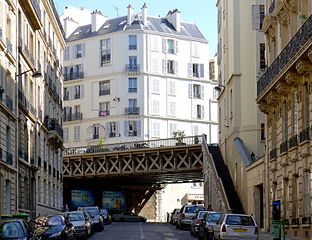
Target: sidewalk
[(268, 236)]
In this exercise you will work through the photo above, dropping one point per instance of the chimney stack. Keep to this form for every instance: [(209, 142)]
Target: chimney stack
[(97, 20), (175, 19), (130, 17), (144, 14), (69, 26)]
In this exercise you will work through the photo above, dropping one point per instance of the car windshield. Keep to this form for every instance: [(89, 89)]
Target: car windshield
[(239, 220), (93, 211), (11, 230), (55, 221), (213, 217), (76, 217), (194, 209), (201, 214)]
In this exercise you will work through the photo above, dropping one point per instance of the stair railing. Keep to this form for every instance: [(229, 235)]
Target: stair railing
[(208, 163)]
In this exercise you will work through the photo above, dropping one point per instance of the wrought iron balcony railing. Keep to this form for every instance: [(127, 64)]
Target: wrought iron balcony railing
[(132, 111), (103, 113), (284, 147), (293, 141), (53, 125), (273, 154), (72, 117), (133, 67), (73, 76), (304, 135), (104, 92), (293, 48)]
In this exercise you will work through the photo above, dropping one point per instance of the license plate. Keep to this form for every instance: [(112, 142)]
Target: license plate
[(240, 230)]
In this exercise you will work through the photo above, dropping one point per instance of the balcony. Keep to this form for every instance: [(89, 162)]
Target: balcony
[(33, 12), (294, 48), (112, 134), (132, 111), (77, 96), (72, 117), (304, 135), (132, 133), (293, 141), (103, 113), (273, 154), (55, 131), (104, 92), (73, 76), (132, 69), (284, 147)]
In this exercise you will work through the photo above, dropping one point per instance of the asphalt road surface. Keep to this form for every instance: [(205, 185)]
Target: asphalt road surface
[(141, 231)]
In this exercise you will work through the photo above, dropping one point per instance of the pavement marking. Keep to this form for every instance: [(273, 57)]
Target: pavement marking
[(141, 232)]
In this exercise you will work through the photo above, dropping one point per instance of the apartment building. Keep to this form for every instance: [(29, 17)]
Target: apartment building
[(135, 77), (240, 59), (284, 95), (31, 84)]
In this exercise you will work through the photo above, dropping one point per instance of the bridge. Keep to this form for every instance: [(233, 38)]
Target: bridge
[(140, 168)]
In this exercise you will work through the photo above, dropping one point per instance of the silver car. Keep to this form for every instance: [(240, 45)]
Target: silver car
[(236, 227), (186, 215), (82, 227), (207, 225)]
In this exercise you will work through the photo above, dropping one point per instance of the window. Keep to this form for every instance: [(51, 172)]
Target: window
[(195, 130), (262, 56), (170, 46), (196, 91), (154, 44), (171, 67), (257, 16), (132, 107), (172, 109), (104, 109), (65, 135), (172, 88), (285, 121), (262, 132), (305, 112), (196, 70), (156, 129), (212, 74), (295, 114), (132, 85), (200, 112), (77, 133), (155, 86), (155, 106), (132, 42), (132, 128), (105, 48), (95, 131), (112, 127), (172, 128), (78, 50), (195, 49), (307, 177), (77, 91), (104, 88)]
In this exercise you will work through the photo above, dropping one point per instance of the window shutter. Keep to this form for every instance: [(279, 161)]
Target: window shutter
[(81, 91), (202, 92), (138, 128), (73, 52), (190, 69), (71, 91), (202, 111), (164, 45), (194, 111), (107, 130), (164, 66), (176, 46), (126, 123), (176, 67), (255, 17), (83, 47), (201, 69), (117, 129), (190, 90)]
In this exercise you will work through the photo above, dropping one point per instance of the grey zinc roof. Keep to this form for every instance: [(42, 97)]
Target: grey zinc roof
[(155, 24)]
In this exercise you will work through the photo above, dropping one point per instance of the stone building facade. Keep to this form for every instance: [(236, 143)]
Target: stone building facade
[(31, 85), (284, 95)]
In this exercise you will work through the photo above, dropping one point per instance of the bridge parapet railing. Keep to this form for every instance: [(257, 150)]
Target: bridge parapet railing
[(168, 142)]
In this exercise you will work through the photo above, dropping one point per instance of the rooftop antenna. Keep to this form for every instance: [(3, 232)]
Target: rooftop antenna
[(116, 8)]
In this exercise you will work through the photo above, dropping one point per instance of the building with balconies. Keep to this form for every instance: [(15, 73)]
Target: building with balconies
[(284, 95), (135, 77), (240, 58), (31, 84)]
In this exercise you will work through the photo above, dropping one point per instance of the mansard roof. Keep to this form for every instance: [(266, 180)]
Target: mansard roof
[(154, 24)]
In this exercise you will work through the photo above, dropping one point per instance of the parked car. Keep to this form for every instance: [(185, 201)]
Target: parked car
[(128, 217), (207, 225), (54, 227), (107, 219), (236, 226), (186, 215), (83, 227), (95, 215), (174, 216), (16, 229), (196, 222), (88, 218)]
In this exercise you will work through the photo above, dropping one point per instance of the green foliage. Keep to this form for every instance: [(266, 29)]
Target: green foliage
[(179, 135)]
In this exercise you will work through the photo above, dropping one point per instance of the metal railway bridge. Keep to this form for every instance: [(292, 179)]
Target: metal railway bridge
[(137, 168)]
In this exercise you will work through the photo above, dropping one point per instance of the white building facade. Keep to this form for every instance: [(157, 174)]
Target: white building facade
[(135, 78)]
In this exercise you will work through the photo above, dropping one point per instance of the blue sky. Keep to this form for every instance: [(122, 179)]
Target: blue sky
[(201, 12)]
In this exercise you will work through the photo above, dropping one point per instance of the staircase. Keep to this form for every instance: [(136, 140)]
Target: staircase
[(224, 174)]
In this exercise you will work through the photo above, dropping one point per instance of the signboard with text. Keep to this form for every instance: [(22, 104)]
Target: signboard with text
[(81, 198), (113, 200)]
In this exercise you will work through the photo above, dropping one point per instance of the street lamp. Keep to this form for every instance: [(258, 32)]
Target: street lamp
[(36, 74), (219, 87)]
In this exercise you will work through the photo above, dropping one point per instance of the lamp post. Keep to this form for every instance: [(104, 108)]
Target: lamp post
[(35, 74)]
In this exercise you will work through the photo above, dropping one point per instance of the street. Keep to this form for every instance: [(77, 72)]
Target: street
[(141, 231)]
